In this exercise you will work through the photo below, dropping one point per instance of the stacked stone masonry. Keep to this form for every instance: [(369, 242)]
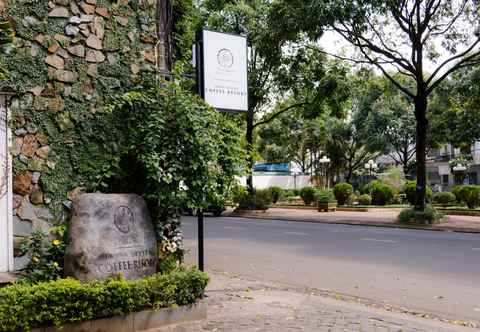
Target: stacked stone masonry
[(93, 34)]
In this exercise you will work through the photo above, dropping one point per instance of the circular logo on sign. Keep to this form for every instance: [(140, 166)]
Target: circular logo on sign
[(225, 58), (124, 219)]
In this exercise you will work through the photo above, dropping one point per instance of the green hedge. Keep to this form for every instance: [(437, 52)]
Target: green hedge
[(468, 194), (55, 303), (342, 192), (325, 196), (261, 199), (381, 193), (444, 198), (276, 193), (308, 195), (427, 217), (410, 190), (365, 199)]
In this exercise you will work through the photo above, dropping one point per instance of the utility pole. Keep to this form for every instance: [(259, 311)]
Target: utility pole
[(164, 35)]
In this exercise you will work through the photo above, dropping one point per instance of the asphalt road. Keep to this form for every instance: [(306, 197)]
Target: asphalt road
[(435, 272)]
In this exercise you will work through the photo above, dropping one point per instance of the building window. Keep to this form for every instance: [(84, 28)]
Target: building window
[(445, 179), (472, 178)]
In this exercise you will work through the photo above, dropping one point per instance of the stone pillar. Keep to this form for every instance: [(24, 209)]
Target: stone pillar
[(6, 237)]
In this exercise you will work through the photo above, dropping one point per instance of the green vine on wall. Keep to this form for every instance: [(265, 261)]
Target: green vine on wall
[(81, 137)]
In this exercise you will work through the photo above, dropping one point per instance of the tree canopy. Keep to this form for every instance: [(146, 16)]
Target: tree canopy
[(405, 35)]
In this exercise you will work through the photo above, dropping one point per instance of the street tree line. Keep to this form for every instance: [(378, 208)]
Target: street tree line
[(379, 120), (399, 38)]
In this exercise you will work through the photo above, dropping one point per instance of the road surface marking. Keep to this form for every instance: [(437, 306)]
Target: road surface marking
[(379, 240), (295, 233), (234, 227)]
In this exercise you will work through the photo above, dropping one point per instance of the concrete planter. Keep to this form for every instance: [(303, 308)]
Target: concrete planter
[(327, 207), (137, 322)]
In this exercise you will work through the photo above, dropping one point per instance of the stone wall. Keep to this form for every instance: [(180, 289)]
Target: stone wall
[(71, 57)]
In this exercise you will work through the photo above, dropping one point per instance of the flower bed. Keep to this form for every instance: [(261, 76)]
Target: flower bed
[(56, 303)]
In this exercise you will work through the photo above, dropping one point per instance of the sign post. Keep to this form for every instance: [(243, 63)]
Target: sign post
[(222, 81)]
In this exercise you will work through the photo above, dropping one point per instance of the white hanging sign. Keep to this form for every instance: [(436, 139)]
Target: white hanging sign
[(223, 70)]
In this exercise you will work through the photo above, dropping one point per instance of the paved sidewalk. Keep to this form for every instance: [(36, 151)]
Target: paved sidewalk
[(374, 217), (238, 304)]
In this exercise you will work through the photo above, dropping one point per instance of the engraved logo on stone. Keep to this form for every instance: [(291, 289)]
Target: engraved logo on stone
[(124, 219), (225, 58)]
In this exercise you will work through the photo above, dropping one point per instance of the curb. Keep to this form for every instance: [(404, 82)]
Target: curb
[(143, 321), (356, 223), (311, 208)]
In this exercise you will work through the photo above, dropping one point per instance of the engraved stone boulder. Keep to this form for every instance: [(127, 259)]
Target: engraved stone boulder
[(109, 235)]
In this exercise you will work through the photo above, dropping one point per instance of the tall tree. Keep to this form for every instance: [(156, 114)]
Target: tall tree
[(349, 145), (400, 34), (293, 138), (455, 109), (283, 140), (389, 117)]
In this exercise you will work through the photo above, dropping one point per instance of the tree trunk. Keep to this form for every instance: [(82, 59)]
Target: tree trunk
[(421, 104), (250, 161), (405, 161), (348, 175)]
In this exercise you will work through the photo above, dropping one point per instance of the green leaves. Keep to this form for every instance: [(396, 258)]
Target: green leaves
[(56, 303), (6, 36), (185, 151)]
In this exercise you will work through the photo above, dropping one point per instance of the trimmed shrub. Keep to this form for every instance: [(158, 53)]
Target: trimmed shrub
[(325, 196), (238, 193), (397, 199), (342, 192), (276, 193), (55, 303), (382, 194), (289, 193), (411, 216), (456, 191), (394, 176), (444, 198), (260, 200), (365, 199), (352, 199), (410, 191), (308, 195), (469, 195)]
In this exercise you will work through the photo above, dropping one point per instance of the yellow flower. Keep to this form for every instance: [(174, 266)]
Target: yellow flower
[(35, 259), (55, 264), (56, 242)]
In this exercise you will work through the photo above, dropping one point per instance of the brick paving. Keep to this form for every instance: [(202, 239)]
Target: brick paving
[(374, 217), (237, 304)]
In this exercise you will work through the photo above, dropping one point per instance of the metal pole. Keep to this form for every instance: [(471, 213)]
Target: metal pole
[(200, 241), (200, 90)]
